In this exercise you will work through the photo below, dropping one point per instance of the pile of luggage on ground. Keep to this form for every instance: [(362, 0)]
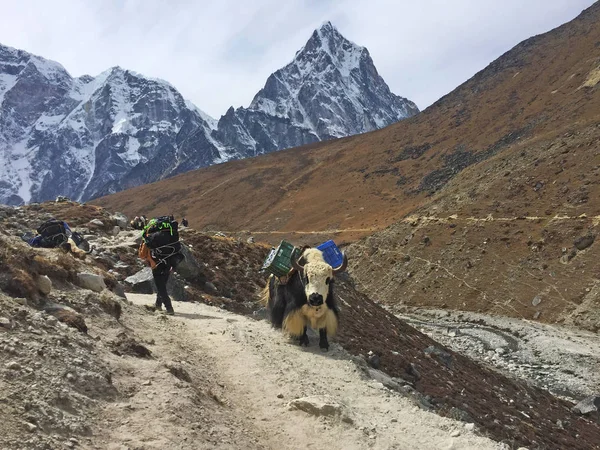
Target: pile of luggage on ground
[(55, 233)]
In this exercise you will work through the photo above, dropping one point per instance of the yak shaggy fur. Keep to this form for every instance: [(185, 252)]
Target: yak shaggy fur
[(288, 305)]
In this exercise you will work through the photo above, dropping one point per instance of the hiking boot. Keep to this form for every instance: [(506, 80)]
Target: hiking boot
[(170, 312), (158, 308)]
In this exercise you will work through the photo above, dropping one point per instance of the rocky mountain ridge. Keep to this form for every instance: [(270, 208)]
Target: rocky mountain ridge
[(330, 90), (90, 136)]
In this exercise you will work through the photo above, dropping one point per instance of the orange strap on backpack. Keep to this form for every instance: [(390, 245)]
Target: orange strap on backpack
[(144, 253)]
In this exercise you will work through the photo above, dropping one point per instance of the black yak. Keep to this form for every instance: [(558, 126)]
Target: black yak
[(306, 299)]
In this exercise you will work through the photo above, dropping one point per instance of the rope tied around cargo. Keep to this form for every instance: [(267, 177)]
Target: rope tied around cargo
[(170, 246)]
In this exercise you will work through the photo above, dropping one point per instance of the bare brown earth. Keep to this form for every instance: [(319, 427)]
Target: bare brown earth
[(457, 385)]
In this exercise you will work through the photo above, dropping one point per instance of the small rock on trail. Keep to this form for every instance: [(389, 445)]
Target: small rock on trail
[(5, 323), (321, 406), (584, 242), (588, 405), (44, 284), (178, 371), (91, 281)]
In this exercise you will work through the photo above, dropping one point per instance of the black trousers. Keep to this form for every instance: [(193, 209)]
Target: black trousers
[(161, 276)]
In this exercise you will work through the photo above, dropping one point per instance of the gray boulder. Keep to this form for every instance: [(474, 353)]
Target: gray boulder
[(44, 284), (119, 290), (385, 379), (210, 288), (584, 242), (121, 220), (143, 283), (439, 354), (91, 281), (188, 269), (588, 405), (97, 222), (5, 323)]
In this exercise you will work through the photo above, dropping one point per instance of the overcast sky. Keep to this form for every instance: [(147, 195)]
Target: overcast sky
[(219, 53)]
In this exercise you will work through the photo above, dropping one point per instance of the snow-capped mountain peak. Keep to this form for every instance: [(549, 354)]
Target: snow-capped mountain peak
[(344, 55), (89, 136), (331, 89)]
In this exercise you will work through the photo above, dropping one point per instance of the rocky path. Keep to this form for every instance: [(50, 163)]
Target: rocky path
[(251, 375), (560, 359)]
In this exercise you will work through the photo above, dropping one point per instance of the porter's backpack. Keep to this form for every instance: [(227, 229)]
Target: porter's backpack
[(161, 236), (53, 233)]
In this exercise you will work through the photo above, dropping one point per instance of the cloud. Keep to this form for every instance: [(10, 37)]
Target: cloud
[(219, 54)]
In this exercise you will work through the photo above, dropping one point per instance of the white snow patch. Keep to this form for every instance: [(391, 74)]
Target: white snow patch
[(144, 77), (45, 122), (212, 122), (121, 124), (132, 155), (224, 155), (51, 70), (6, 84), (19, 163), (83, 91)]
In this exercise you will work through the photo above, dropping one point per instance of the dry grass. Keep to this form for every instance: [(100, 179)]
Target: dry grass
[(20, 265), (19, 284), (16, 276), (77, 214), (110, 306), (54, 271), (593, 78), (72, 319)]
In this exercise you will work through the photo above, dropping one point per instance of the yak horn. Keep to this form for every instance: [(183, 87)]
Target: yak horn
[(296, 265), (342, 267)]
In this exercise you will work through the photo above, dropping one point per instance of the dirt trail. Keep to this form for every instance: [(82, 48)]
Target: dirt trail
[(253, 372), (426, 220)]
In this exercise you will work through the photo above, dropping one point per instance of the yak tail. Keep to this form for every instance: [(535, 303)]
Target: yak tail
[(264, 294)]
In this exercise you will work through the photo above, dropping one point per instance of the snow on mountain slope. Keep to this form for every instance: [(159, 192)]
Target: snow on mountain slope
[(331, 89), (81, 137), (91, 136)]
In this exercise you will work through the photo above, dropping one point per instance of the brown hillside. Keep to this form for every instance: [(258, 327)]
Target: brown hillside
[(514, 234), (542, 88)]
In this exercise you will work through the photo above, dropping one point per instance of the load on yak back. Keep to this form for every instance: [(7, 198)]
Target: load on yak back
[(55, 233), (299, 291)]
